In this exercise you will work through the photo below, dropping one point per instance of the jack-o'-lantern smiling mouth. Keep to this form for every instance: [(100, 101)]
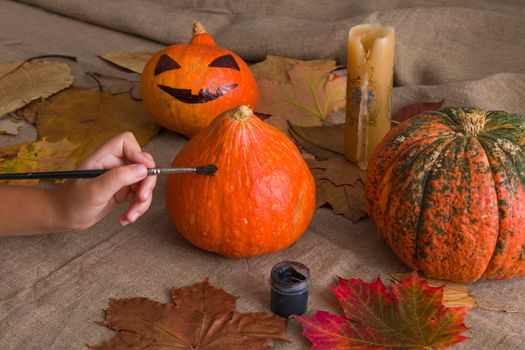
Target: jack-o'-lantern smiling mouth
[(166, 64), (204, 95)]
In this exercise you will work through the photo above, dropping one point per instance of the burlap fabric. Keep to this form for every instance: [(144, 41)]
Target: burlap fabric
[(54, 287)]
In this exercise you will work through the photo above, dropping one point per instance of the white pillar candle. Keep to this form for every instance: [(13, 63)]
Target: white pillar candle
[(370, 73)]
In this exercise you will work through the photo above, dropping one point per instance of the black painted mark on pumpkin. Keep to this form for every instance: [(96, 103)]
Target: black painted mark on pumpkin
[(226, 61), (165, 63), (204, 95)]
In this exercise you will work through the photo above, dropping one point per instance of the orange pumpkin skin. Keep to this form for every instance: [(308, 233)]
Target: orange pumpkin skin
[(203, 76), (260, 200), (447, 191)]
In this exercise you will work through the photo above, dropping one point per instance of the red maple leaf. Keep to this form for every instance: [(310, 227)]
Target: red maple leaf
[(411, 316), (414, 109)]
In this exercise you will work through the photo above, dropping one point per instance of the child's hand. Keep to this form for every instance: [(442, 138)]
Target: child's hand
[(82, 203)]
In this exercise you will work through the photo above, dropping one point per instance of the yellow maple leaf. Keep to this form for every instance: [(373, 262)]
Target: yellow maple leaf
[(307, 99), (40, 156), (90, 118), (276, 68)]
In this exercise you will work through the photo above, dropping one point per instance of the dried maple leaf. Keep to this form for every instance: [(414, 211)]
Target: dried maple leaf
[(307, 99), (412, 110), (329, 138), (276, 67), (30, 112), (338, 170), (90, 118), (10, 151), (27, 80), (454, 294), (278, 122), (344, 200), (411, 316), (135, 93), (117, 83), (133, 61), (39, 156), (340, 184), (120, 87), (201, 317), (311, 148)]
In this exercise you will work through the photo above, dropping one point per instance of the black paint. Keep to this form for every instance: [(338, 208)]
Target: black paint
[(226, 61), (204, 95), (289, 281), (165, 63)]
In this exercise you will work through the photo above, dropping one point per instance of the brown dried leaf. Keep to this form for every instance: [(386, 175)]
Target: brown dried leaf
[(120, 86), (90, 118), (24, 81), (30, 112), (276, 68), (117, 84), (133, 61), (345, 200), (319, 152), (307, 156), (201, 317), (338, 170), (456, 294), (135, 93), (340, 184), (279, 122), (330, 138)]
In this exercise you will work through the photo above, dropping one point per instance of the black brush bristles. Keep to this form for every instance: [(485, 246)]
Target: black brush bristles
[(209, 169)]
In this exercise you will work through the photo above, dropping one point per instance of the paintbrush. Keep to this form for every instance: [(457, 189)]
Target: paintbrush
[(209, 169)]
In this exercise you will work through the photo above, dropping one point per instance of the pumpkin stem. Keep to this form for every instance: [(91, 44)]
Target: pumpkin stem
[(241, 113), (198, 28), (200, 35), (472, 121)]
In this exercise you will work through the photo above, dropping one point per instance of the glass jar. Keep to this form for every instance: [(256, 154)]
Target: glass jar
[(289, 281)]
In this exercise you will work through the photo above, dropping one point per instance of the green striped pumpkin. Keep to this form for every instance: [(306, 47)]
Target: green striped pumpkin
[(446, 190)]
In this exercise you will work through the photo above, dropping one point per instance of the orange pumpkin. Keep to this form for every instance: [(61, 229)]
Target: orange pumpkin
[(447, 191), (260, 200), (184, 87)]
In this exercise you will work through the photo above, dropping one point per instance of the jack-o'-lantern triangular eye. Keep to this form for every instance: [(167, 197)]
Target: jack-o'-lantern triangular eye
[(226, 61), (165, 63)]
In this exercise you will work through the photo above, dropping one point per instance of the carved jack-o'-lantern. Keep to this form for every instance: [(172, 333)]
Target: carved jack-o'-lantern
[(184, 87)]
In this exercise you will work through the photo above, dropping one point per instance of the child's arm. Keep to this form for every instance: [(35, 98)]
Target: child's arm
[(79, 204)]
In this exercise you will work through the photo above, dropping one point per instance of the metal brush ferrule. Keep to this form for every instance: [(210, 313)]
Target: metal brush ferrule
[(154, 171)]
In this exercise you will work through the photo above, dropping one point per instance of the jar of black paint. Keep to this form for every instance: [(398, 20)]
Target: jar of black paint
[(289, 281)]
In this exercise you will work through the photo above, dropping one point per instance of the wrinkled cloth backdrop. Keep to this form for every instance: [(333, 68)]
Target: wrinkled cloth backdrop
[(54, 287)]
